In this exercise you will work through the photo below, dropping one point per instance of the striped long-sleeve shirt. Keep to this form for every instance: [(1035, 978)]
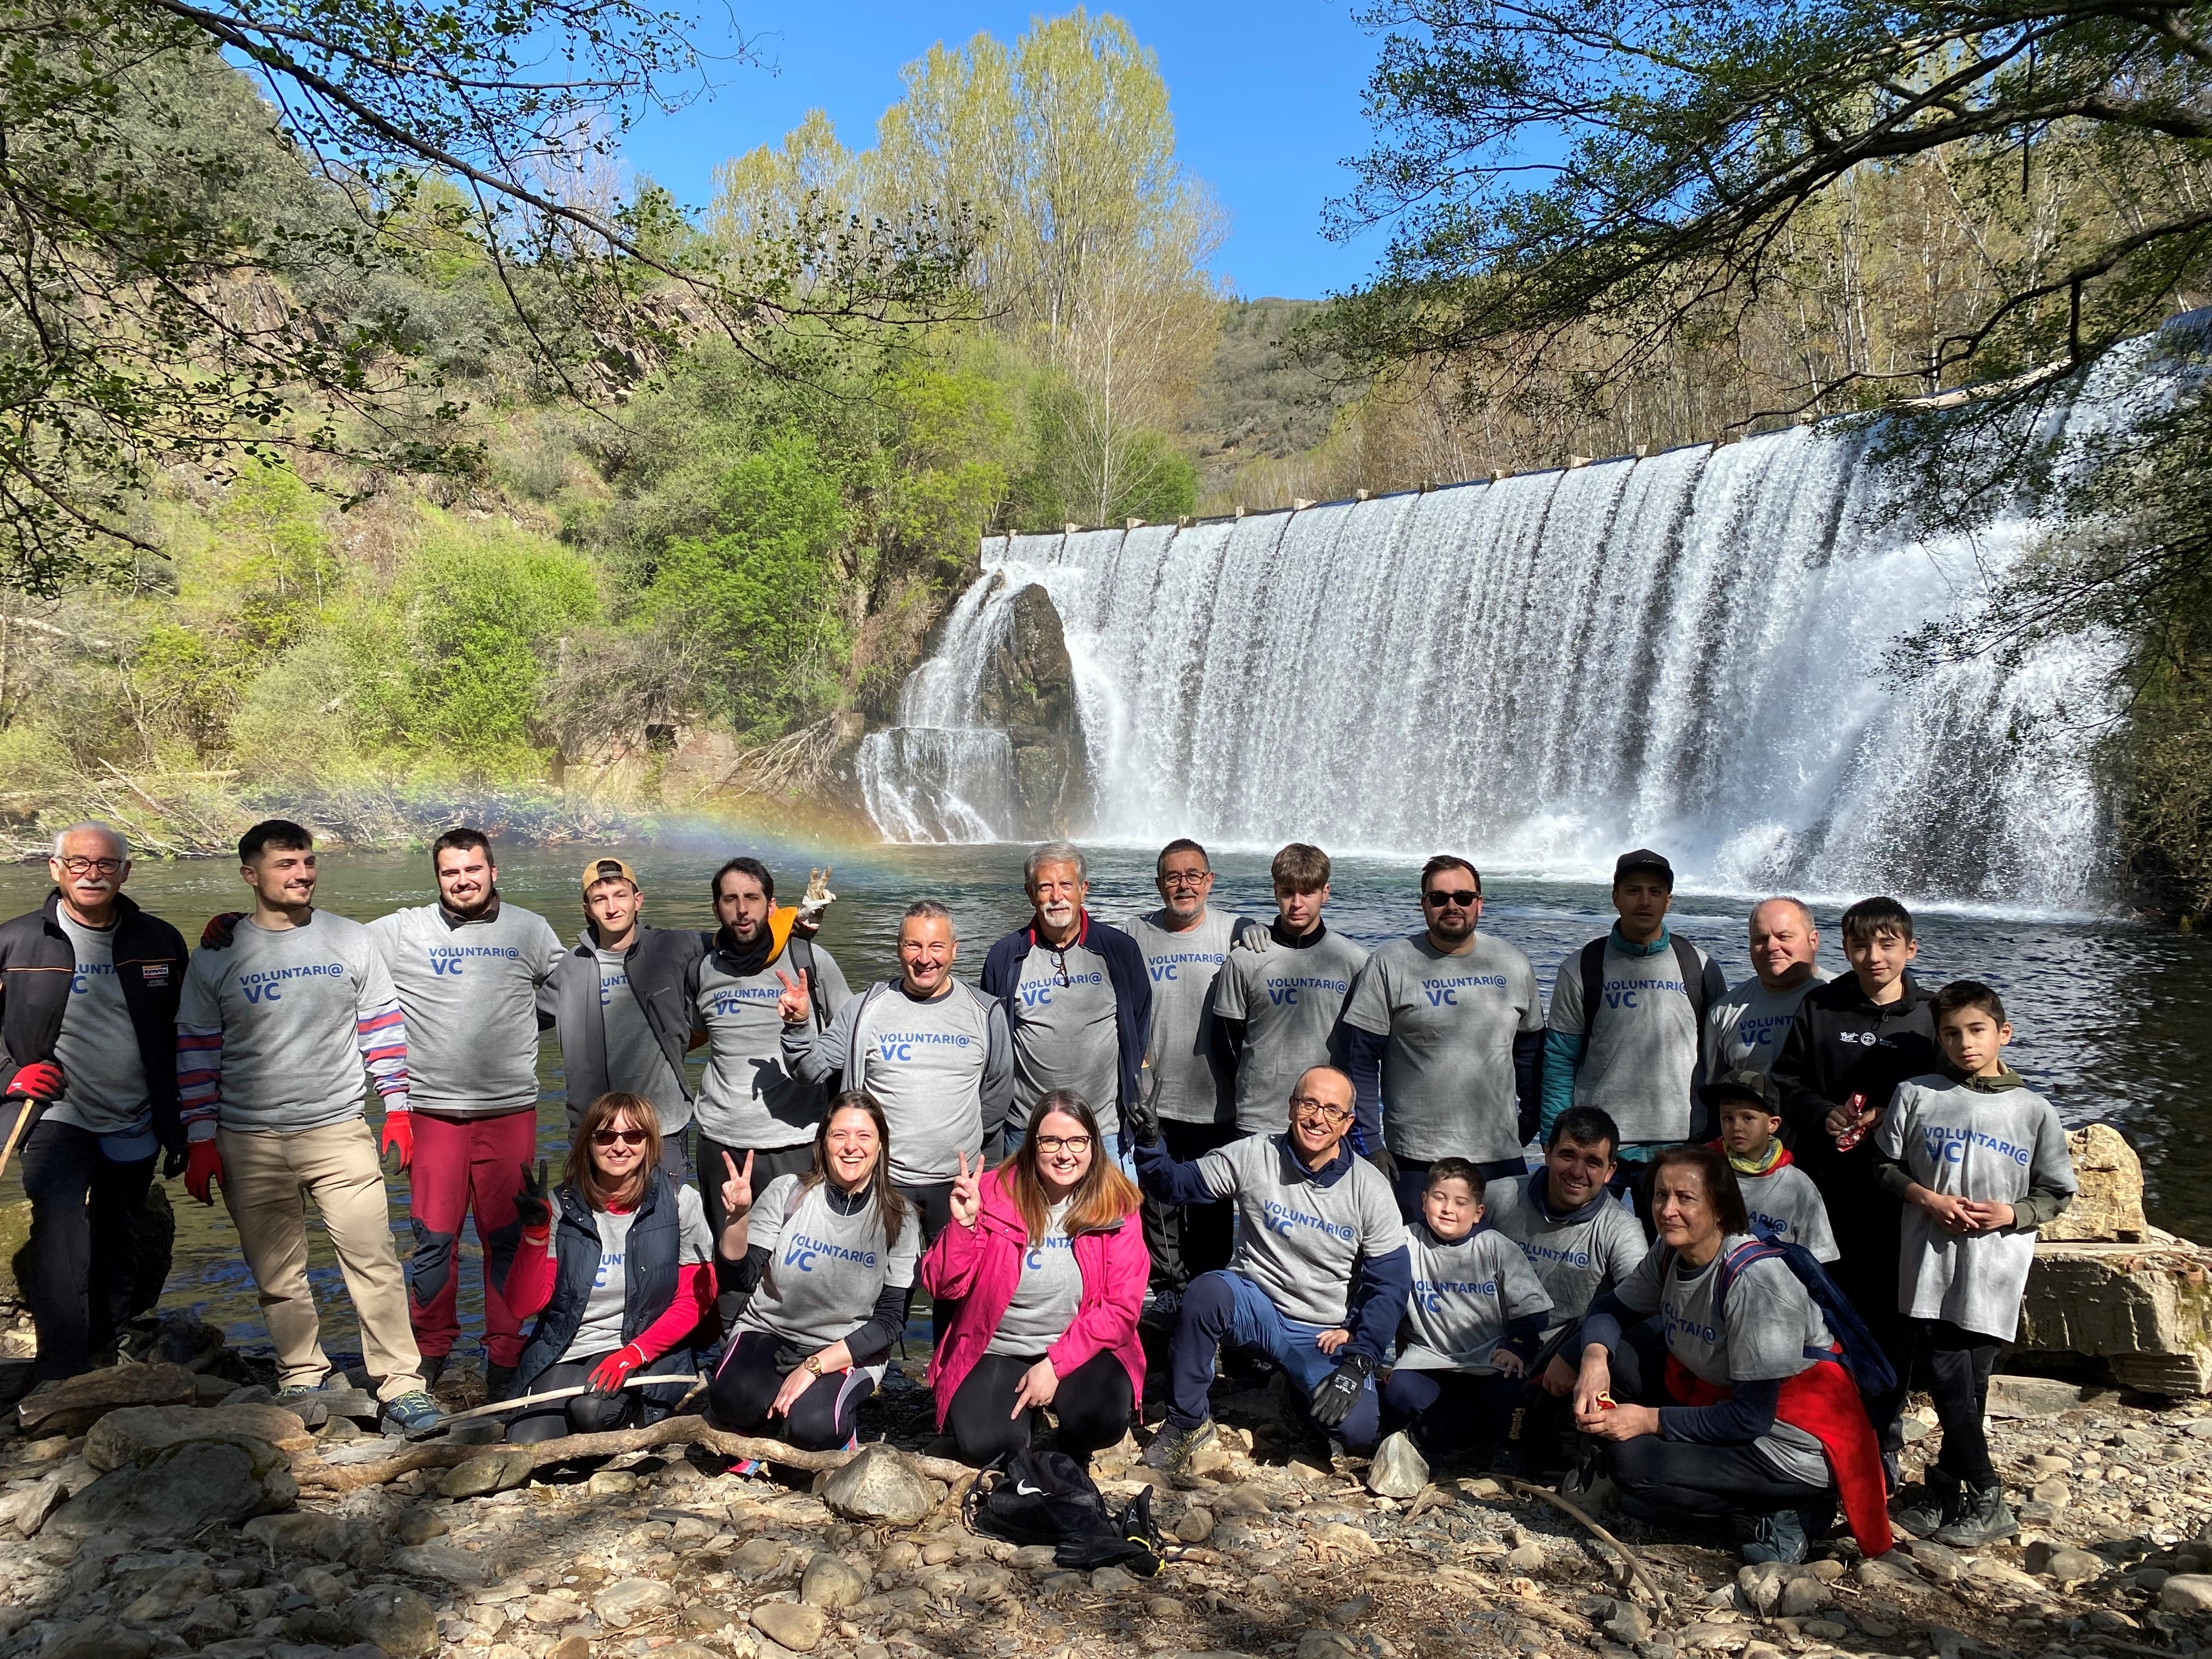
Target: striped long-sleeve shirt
[(277, 1029)]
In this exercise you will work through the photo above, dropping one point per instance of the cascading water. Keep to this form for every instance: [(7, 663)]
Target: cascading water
[(1687, 651)]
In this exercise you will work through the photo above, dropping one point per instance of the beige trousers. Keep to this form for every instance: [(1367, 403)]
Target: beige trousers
[(267, 1178)]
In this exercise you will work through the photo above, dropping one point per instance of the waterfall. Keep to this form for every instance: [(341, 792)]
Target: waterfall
[(1687, 651)]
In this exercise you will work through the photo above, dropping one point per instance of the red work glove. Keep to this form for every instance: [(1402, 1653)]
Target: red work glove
[(608, 1375), (40, 1080), (202, 1164), (217, 935), (399, 1132)]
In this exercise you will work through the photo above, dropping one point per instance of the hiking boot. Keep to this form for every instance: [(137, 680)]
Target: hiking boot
[(1171, 1448), (1778, 1537), (1937, 1506), (414, 1415), (433, 1367), (1982, 1517), (499, 1381)]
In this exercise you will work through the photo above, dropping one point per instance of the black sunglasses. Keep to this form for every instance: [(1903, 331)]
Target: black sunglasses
[(1441, 900)]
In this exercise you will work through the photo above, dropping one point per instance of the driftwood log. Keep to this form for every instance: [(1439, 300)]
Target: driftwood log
[(313, 1474)]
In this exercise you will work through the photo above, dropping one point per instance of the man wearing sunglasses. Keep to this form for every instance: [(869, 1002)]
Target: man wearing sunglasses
[(1444, 1034), (1321, 1276), (89, 988)]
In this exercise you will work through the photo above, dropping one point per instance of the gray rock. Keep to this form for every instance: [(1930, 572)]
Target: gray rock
[(1801, 1595), (496, 1471), (1936, 1561), (791, 1625), (1823, 1630), (443, 1562), (420, 1526), (134, 1433), (832, 1581), (880, 1487), (182, 1488), (1196, 1525), (353, 1540), (761, 1557), (1325, 1644), (1527, 1557), (99, 1638), (1112, 1578), (1398, 1470), (1629, 1625), (2186, 1593), (629, 1599), (175, 1589), (2031, 1397), (27, 1511), (397, 1620), (1880, 1576), (1760, 1586), (2068, 1566)]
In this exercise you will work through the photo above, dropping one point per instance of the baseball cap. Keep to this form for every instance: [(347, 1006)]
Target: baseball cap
[(605, 869), (1644, 858), (1743, 1084)]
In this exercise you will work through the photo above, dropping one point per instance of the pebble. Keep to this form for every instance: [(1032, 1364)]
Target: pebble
[(790, 1624)]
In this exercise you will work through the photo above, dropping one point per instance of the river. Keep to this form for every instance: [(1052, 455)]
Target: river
[(2114, 1018)]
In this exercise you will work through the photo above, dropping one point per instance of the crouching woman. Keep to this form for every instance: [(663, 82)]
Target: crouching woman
[(1045, 1265), (1757, 1421), (826, 1260), (614, 1264)]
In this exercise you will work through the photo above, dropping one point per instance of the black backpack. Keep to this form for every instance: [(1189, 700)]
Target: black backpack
[(1047, 1497)]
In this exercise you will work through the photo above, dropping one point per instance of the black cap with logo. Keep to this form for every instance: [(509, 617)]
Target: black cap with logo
[(1644, 858)]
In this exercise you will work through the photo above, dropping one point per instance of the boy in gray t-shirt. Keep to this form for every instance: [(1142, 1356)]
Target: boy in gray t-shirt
[(1784, 1203), (1980, 1161)]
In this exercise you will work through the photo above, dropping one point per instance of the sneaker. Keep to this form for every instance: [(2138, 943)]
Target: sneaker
[(413, 1414), (298, 1390), (1982, 1517), (1778, 1537), (1937, 1506), (1167, 1306), (499, 1381), (1171, 1448)]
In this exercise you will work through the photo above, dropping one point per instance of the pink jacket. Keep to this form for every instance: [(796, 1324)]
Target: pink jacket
[(977, 1269)]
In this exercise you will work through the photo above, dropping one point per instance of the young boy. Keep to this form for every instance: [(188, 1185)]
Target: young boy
[(1980, 1161), (1784, 1204), (1475, 1315)]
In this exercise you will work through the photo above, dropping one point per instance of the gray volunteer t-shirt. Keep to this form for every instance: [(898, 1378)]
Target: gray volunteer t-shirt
[(1183, 967), (1289, 1000), (1637, 1064), (1061, 1020), (470, 997), (1770, 1323), (924, 1061), (635, 1060), (1573, 1261), (286, 1000), (1465, 1293), (1448, 1081), (1299, 1240), (825, 1269), (601, 1333), (749, 1097), (103, 1075), (1785, 1203), (1746, 1028), (1983, 1145), (1046, 1296)]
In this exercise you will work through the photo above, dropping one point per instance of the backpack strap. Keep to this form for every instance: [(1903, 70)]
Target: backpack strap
[(1732, 1265), (813, 971), (1593, 976), (1694, 979)]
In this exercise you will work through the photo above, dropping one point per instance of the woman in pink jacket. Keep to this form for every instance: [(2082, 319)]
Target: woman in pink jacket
[(1044, 1265)]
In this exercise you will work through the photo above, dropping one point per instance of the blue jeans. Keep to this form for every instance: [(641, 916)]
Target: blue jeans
[(1227, 1307)]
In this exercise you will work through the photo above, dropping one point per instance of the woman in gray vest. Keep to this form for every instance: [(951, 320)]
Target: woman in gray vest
[(826, 1260), (617, 1259)]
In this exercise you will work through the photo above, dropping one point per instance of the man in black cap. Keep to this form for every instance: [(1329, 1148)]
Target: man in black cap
[(1625, 1028)]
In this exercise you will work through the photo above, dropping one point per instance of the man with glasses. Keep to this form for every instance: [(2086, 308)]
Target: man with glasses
[(1444, 1034), (89, 990), (1078, 1000), (1320, 1275), (1184, 943)]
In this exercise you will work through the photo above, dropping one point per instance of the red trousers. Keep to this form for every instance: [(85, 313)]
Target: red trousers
[(464, 1164)]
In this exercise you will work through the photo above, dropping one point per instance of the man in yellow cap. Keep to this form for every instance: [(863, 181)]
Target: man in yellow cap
[(617, 1004)]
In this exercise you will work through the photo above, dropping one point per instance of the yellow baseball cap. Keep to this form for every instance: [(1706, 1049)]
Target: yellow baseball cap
[(603, 869)]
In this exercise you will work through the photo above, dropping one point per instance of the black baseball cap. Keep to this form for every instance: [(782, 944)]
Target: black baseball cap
[(1743, 1084), (1644, 858)]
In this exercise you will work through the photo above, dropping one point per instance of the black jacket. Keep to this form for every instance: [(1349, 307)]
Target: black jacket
[(1841, 1045), (37, 962), (651, 1260), (659, 961)]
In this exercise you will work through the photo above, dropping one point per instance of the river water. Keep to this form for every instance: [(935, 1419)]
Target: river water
[(2114, 1018)]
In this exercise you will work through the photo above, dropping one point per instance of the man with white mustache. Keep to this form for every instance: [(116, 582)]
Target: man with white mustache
[(1078, 997)]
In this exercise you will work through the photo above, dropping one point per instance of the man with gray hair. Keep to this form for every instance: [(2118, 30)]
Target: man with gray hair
[(88, 990), (1078, 997), (1748, 1024)]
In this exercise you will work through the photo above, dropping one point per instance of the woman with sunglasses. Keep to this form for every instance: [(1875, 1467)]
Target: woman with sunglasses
[(826, 1262), (617, 1259), (1045, 1266)]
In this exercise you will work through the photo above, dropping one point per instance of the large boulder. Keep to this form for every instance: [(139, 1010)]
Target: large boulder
[(879, 1487), (181, 1488), (1027, 689), (2145, 1309), (74, 1405), (2108, 1204), (134, 1433)]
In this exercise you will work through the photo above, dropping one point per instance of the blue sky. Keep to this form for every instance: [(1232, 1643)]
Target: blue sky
[(1265, 100)]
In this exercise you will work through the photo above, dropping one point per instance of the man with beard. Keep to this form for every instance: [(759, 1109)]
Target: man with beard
[(89, 988), (468, 969), (1078, 999)]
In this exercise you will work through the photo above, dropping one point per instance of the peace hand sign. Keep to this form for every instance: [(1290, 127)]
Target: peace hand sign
[(738, 1187), (967, 1202), (794, 1006)]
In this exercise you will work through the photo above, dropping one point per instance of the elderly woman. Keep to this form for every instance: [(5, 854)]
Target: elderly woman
[(1757, 1421)]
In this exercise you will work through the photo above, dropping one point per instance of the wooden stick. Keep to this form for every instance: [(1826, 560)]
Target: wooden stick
[(26, 1106), (1634, 1561), (496, 1407)]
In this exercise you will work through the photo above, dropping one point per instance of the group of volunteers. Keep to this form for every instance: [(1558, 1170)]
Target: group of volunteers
[(1762, 1212)]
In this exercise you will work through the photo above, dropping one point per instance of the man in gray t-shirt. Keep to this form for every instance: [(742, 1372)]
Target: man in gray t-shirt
[(1442, 1033), (1745, 1028), (1320, 1275)]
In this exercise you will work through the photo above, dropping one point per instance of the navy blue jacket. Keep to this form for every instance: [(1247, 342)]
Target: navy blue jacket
[(651, 1258), (1125, 970)]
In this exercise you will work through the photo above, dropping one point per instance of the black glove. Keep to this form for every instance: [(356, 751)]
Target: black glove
[(173, 1163), (220, 930), (1339, 1392), (1385, 1166), (1142, 1122), (531, 1206)]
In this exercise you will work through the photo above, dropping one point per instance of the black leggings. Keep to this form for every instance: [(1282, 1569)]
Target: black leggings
[(745, 1385), (581, 1413), (1187, 1240), (1659, 1479), (1092, 1402), (1447, 1411), (767, 1166), (1957, 1364)]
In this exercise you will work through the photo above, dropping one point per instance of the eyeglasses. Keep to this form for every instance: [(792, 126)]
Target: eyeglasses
[(1307, 1109), (1053, 1146), (1443, 901), (1186, 877), (627, 1136), (78, 866)]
